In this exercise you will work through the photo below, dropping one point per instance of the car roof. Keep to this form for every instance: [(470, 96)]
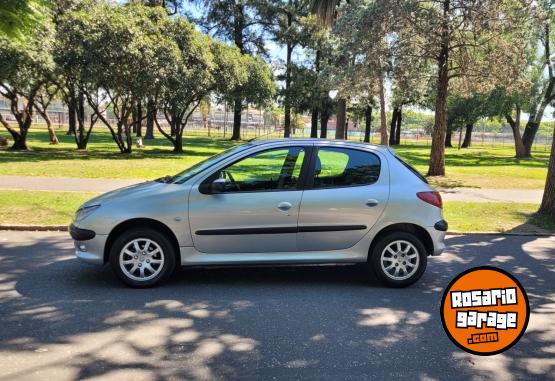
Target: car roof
[(326, 142)]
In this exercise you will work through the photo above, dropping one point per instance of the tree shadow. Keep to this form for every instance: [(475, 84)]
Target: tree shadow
[(67, 320)]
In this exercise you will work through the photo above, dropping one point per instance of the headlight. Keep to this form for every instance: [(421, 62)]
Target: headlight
[(85, 211)]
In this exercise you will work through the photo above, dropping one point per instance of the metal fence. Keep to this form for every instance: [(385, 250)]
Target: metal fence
[(256, 124)]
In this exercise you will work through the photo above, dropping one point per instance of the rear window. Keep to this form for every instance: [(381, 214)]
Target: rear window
[(412, 169)]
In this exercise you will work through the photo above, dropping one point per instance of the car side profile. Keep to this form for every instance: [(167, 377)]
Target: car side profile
[(285, 201)]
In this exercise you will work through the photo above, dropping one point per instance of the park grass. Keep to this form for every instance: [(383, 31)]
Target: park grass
[(490, 166), (496, 217), (57, 208), (39, 208)]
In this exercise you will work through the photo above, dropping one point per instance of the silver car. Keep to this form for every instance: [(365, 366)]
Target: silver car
[(268, 202)]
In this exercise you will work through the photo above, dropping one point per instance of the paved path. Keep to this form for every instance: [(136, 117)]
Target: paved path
[(65, 320), (63, 184), (67, 184)]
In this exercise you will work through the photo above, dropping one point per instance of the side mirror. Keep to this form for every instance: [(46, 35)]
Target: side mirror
[(218, 186)]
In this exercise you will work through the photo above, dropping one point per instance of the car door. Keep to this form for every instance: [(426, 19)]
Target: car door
[(347, 191), (256, 208)]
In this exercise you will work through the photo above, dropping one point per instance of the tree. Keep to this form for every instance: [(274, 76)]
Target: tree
[(240, 22), (131, 42), (44, 97), (71, 77), (548, 200), (542, 92), (25, 67), (475, 43), (201, 66), (258, 88), (285, 20)]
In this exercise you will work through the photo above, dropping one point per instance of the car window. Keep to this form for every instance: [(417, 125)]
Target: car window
[(181, 177), (340, 167), (264, 171), (412, 169)]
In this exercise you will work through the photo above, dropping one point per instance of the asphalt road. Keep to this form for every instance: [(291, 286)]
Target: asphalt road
[(63, 320)]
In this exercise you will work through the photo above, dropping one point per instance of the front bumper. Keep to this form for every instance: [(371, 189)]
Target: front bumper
[(89, 250)]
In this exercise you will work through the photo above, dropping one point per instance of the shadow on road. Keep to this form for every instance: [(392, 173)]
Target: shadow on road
[(64, 319)]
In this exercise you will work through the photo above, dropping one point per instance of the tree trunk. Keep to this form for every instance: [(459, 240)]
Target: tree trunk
[(238, 39), (51, 133), (398, 129), (468, 135), (314, 123), (437, 154), (368, 123), (150, 115), (528, 137), (71, 111), (341, 119), (237, 108), (448, 137), (324, 117), (19, 142), (520, 150), (393, 126), (139, 120), (383, 117), (548, 201), (287, 100), (134, 118), (178, 144)]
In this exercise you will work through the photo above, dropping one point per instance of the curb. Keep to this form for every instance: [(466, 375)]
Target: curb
[(65, 228), (524, 234), (40, 228)]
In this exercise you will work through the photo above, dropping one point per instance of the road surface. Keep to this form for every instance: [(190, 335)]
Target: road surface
[(64, 320)]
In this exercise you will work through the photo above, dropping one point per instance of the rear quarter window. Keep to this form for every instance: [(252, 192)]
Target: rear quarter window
[(412, 169)]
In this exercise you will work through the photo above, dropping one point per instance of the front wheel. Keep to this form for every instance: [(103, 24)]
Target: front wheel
[(398, 259), (142, 257)]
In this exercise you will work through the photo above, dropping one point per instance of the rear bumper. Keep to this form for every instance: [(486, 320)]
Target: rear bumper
[(438, 237)]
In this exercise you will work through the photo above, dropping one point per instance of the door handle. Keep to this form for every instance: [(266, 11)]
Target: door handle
[(285, 206), (372, 202)]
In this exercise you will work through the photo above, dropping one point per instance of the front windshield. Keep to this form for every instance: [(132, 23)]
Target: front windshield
[(181, 177)]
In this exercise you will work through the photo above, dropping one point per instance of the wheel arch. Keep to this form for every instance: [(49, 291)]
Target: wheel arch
[(140, 223), (417, 230)]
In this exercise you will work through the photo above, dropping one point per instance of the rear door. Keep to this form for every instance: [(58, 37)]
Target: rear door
[(347, 191)]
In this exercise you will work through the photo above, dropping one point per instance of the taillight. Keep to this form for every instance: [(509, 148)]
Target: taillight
[(432, 198)]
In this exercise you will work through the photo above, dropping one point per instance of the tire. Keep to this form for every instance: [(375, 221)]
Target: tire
[(397, 262), (157, 259)]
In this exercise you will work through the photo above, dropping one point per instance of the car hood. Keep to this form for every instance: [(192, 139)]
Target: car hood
[(132, 191)]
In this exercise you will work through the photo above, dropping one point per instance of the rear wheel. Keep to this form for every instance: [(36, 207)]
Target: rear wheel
[(142, 257), (398, 259)]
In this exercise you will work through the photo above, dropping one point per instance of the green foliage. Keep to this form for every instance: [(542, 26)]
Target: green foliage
[(258, 87), (20, 18), (25, 65)]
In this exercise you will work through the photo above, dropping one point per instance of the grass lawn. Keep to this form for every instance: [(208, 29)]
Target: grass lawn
[(39, 208), (479, 166), (496, 217), (52, 208)]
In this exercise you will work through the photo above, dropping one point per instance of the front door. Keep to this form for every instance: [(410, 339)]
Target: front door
[(346, 192), (257, 207)]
